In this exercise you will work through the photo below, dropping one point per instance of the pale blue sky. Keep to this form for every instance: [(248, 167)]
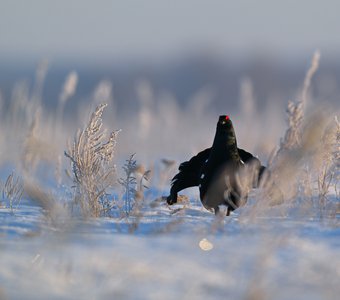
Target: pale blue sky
[(159, 28)]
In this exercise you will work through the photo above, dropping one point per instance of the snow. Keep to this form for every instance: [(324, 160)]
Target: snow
[(179, 252)]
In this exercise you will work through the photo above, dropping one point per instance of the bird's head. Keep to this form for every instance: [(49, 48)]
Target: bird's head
[(225, 129), (224, 120)]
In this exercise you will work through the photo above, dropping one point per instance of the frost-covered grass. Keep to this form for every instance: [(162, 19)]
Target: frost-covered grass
[(86, 228)]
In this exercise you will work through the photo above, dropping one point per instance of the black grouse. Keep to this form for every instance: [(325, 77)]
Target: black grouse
[(216, 171)]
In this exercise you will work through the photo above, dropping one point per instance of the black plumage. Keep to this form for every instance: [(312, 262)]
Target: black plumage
[(216, 171)]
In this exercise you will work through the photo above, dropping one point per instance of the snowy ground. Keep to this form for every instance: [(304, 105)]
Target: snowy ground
[(182, 253)]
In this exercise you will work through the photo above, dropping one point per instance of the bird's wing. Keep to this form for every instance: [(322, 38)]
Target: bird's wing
[(264, 174), (246, 156), (250, 159), (188, 175)]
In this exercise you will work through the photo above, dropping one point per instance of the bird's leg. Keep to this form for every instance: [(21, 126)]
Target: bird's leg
[(172, 198), (222, 211)]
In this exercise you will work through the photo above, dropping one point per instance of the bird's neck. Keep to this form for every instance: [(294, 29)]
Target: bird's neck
[(226, 145)]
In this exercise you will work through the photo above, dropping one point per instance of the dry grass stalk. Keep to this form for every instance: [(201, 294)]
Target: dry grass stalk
[(309, 75), (134, 184), (35, 147), (295, 111), (40, 77), (143, 178), (129, 183), (69, 87), (92, 164), (54, 210), (13, 191), (31, 145), (67, 92)]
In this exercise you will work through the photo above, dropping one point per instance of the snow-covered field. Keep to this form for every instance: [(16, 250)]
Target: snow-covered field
[(177, 253)]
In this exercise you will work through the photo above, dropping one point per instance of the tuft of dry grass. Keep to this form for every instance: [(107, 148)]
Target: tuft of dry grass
[(301, 136), (306, 165), (328, 164), (93, 169)]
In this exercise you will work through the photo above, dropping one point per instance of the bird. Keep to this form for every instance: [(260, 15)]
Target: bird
[(219, 172)]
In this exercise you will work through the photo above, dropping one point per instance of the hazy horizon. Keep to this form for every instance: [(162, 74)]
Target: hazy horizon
[(154, 30)]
